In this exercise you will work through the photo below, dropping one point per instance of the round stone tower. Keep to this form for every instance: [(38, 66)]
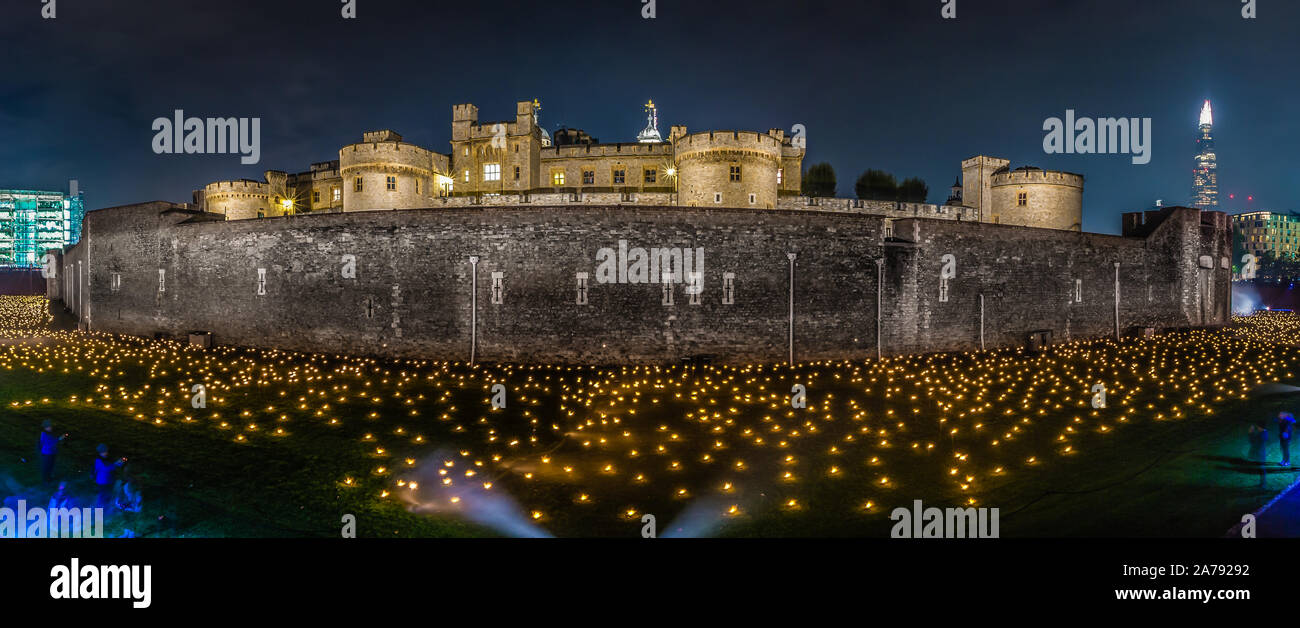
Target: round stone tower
[(728, 169), (383, 172), (238, 200), (1033, 197)]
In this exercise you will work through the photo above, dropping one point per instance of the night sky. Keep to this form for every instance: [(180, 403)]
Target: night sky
[(883, 84)]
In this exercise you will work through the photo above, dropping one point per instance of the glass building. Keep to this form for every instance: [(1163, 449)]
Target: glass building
[(1205, 173), (35, 221), (1269, 234)]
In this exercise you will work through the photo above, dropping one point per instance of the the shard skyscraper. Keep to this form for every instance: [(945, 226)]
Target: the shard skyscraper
[(1205, 175)]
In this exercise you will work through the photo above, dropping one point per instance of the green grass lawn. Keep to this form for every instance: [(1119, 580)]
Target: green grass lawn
[(288, 443)]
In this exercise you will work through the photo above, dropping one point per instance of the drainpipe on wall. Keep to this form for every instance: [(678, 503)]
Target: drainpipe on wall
[(791, 257), (880, 299), (473, 309), (1116, 301)]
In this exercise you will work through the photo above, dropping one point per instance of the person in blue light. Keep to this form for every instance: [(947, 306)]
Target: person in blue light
[(1285, 426), (130, 499), (61, 499), (104, 471), (49, 449)]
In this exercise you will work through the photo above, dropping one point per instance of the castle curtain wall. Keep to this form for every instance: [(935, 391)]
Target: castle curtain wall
[(282, 282)]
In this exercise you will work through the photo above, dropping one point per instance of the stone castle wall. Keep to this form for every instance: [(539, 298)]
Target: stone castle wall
[(281, 282)]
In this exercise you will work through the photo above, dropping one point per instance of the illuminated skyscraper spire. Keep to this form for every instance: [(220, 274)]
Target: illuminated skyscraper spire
[(1205, 173)]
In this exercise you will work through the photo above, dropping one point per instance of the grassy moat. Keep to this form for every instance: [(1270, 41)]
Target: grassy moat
[(287, 444)]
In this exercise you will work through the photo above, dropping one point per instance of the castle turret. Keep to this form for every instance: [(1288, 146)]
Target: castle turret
[(1033, 197), (650, 135), (977, 181), (954, 194), (238, 200), (496, 157), (383, 172), (789, 178), (534, 119), (729, 169)]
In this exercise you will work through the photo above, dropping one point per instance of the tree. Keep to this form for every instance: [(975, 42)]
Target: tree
[(913, 190), (876, 185), (1238, 250), (1273, 268), (819, 180)]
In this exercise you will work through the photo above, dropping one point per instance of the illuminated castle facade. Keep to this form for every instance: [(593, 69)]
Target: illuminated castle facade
[(518, 162)]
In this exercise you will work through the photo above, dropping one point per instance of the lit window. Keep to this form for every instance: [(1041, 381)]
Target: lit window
[(491, 172), (780, 175), (557, 177), (338, 194), (392, 183), (735, 174), (466, 176)]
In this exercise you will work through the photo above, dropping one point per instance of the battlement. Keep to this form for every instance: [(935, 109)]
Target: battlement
[(240, 186), (464, 113), (1143, 223), (379, 154), (386, 135), (1030, 175), (706, 140), (729, 145), (993, 163), (631, 149), (488, 129)]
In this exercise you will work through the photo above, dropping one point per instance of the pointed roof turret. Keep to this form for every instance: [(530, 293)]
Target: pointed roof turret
[(650, 135)]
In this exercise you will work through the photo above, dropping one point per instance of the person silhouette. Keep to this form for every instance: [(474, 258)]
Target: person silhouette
[(1285, 427), (49, 450), (104, 471)]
